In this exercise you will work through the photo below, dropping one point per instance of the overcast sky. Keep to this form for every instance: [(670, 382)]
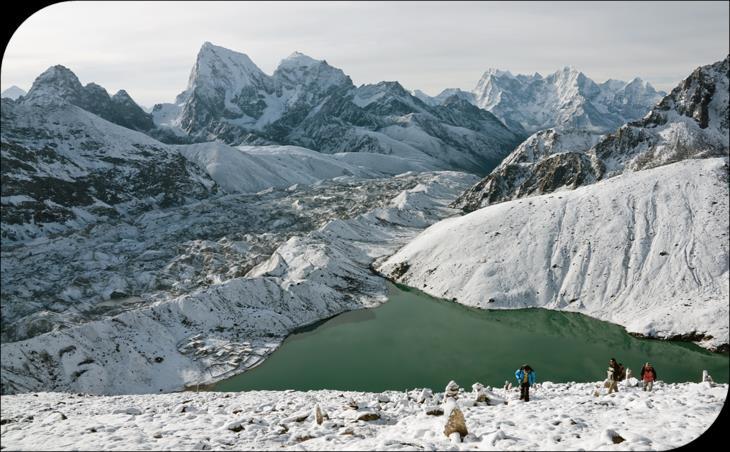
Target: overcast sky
[(149, 48)]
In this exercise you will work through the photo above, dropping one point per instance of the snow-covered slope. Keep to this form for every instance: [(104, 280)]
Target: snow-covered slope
[(558, 417), (307, 102), (250, 169), (13, 93), (690, 122), (64, 168), (225, 316), (647, 250)]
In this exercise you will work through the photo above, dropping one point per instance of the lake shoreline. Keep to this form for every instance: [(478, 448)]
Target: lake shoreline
[(693, 338), (417, 339)]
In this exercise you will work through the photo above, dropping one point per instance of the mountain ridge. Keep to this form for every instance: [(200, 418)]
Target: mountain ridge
[(690, 122)]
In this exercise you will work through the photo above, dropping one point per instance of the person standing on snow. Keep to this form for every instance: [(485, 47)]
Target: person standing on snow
[(613, 375), (525, 377), (648, 376)]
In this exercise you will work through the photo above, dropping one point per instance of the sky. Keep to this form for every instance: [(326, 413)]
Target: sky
[(148, 48)]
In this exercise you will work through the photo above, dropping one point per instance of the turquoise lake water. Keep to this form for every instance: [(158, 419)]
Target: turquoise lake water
[(415, 340)]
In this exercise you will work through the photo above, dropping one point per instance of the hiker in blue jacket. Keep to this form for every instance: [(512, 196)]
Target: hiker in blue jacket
[(525, 377)]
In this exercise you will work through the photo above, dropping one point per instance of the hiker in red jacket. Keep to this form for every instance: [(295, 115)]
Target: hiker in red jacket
[(648, 376)]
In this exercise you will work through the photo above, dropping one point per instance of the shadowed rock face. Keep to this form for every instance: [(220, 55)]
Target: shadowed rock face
[(690, 122), (693, 96), (570, 170), (545, 162)]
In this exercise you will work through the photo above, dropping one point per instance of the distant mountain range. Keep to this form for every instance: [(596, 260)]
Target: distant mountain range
[(690, 122), (565, 99), (308, 103), (13, 92)]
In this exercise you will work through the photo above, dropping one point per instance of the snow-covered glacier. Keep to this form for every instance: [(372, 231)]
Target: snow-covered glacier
[(224, 321)]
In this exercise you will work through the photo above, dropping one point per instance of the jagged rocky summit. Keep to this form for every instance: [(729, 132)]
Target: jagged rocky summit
[(564, 100), (307, 102)]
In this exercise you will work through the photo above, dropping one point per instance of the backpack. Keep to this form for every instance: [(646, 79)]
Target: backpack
[(621, 373)]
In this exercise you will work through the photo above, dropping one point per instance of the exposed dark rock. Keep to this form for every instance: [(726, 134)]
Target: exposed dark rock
[(400, 270), (456, 423), (369, 416)]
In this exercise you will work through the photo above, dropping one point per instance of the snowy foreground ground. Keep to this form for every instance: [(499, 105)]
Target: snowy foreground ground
[(565, 416)]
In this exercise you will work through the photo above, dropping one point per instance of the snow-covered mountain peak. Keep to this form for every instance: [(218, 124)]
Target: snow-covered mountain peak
[(302, 70), (569, 81), (689, 123), (55, 82), (218, 66), (566, 98), (702, 96), (497, 73), (392, 90), (58, 85), (297, 59), (443, 97), (568, 70), (14, 92)]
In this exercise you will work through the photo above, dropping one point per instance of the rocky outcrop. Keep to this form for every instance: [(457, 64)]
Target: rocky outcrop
[(547, 161)]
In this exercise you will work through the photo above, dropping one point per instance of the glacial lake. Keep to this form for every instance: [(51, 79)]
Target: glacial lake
[(415, 340)]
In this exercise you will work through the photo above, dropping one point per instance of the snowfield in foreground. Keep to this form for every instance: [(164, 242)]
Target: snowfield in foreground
[(558, 417), (647, 250)]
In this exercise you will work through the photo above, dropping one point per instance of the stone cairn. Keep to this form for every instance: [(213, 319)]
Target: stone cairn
[(480, 395), (451, 391), (455, 427)]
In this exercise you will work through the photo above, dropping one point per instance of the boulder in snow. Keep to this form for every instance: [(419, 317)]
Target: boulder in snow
[(455, 423), (318, 416)]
